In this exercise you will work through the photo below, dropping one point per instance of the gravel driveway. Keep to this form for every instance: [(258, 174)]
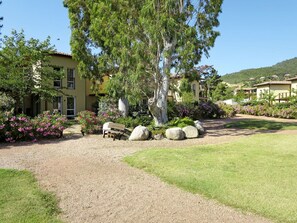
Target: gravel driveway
[(94, 185)]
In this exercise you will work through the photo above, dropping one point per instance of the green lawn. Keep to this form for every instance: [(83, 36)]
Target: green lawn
[(21, 200), (257, 173), (261, 125)]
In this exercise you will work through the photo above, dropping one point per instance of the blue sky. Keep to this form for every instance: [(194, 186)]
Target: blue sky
[(254, 33)]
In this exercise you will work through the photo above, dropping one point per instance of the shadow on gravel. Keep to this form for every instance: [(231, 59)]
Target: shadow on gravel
[(41, 142)]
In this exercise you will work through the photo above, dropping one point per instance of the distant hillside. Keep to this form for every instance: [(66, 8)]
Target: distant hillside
[(279, 69)]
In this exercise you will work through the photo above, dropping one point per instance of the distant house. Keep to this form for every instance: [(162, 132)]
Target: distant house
[(293, 85), (248, 92), (196, 88), (280, 89)]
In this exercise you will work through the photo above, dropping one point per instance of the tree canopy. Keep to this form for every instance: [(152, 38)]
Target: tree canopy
[(25, 67), (141, 42)]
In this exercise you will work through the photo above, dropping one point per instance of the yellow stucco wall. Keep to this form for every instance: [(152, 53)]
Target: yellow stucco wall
[(195, 87), (261, 90), (276, 89), (294, 87), (78, 92), (280, 89), (101, 86)]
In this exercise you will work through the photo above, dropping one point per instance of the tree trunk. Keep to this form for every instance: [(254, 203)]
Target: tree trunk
[(124, 106), (158, 104)]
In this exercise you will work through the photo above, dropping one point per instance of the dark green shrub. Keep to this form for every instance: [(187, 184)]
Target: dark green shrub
[(210, 110), (181, 122), (89, 122), (229, 110), (131, 122)]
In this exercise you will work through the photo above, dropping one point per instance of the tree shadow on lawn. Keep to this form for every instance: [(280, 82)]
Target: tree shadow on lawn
[(41, 142), (243, 127), (258, 124)]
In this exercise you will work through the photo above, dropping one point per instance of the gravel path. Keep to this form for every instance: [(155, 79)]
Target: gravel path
[(94, 185)]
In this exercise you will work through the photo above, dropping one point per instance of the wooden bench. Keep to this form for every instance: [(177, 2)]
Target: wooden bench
[(116, 130)]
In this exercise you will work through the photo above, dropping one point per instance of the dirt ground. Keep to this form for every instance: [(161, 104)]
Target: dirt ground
[(94, 185)]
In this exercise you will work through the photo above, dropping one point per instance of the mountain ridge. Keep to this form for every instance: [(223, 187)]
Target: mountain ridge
[(279, 69)]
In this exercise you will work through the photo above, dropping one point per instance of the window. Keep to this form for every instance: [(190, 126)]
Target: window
[(57, 82), (71, 106), (70, 78), (57, 104)]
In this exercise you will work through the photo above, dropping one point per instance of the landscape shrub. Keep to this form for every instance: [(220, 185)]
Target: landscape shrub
[(22, 128), (276, 111), (229, 110), (6, 102), (181, 122), (131, 122), (188, 110), (202, 110), (210, 110), (89, 122), (49, 125), (109, 115), (15, 128), (171, 109)]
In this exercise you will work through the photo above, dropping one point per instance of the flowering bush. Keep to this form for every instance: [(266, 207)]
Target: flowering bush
[(89, 122), (269, 111), (229, 110), (48, 125), (210, 110), (200, 110), (22, 128), (109, 115), (14, 128)]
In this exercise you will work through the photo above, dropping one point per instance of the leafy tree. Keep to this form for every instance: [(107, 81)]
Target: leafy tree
[(268, 97), (141, 42), (25, 67), (222, 92), (209, 78), (1, 19), (185, 86), (240, 96), (6, 103)]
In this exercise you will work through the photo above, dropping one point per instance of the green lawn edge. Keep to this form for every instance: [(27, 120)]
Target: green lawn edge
[(261, 125), (206, 188), (22, 200)]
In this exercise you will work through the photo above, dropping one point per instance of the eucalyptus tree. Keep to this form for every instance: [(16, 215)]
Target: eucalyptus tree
[(1, 19), (141, 42)]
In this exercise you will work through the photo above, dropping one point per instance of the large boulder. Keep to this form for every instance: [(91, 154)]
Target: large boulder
[(200, 127), (175, 133), (139, 133), (191, 132)]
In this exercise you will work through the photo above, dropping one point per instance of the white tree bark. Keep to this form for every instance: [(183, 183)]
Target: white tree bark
[(123, 106), (158, 104)]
